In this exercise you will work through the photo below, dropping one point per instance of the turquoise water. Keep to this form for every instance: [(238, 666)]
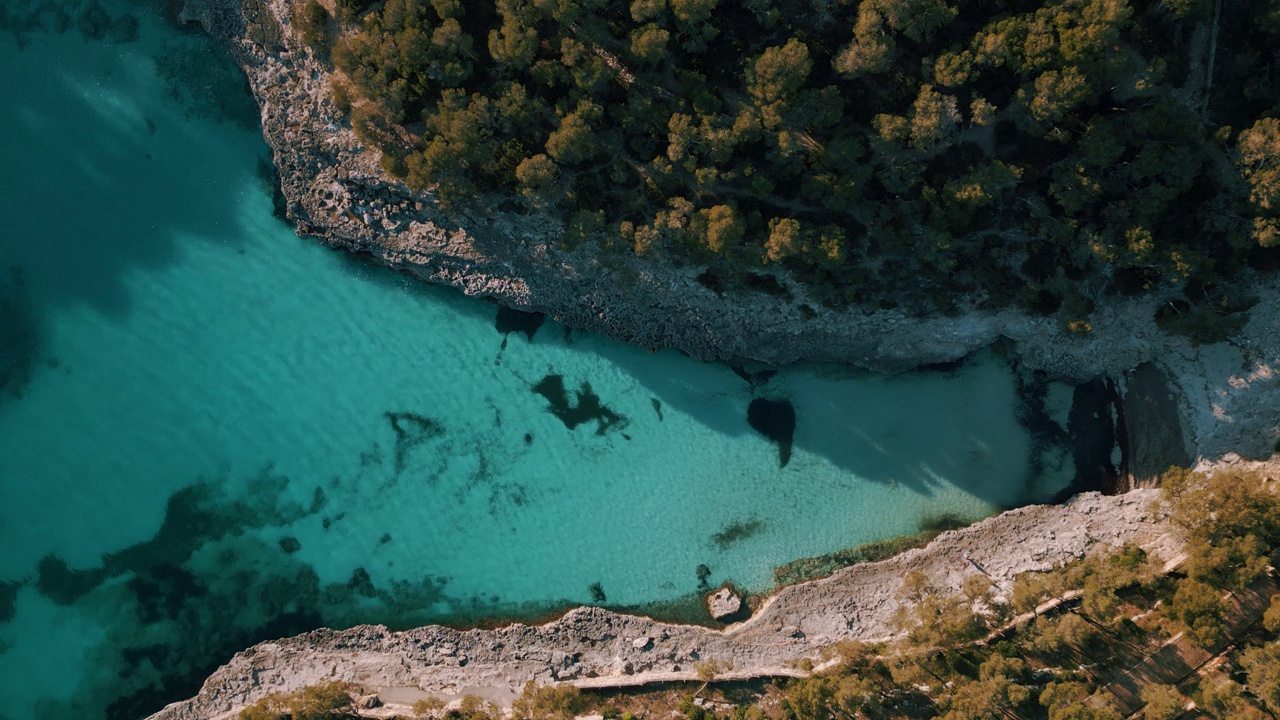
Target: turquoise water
[(214, 433)]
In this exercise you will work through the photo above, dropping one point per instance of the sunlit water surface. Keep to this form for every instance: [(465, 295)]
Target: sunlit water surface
[(214, 433)]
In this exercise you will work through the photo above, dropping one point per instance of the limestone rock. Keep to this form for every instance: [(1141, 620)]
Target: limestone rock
[(723, 603)]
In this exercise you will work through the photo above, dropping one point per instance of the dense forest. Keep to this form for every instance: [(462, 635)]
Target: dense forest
[(1114, 635), (884, 152)]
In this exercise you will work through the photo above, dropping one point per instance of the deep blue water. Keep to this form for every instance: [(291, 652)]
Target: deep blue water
[(214, 433)]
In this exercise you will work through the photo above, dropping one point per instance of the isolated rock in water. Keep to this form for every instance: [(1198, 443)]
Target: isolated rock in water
[(776, 420), (723, 603)]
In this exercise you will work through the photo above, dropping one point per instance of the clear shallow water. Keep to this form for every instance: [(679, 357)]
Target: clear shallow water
[(214, 433)]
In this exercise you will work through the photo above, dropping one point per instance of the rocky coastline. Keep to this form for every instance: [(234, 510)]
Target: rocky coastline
[(334, 190), (1172, 400), (590, 647)]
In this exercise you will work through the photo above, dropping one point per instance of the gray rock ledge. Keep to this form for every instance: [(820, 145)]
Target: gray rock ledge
[(591, 647)]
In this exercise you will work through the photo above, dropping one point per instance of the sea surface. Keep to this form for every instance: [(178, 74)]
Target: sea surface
[(214, 433)]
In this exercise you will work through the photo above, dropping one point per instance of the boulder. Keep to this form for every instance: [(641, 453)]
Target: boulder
[(724, 603)]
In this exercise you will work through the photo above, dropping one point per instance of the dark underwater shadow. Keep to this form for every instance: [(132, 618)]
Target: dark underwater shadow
[(873, 435), (90, 203)]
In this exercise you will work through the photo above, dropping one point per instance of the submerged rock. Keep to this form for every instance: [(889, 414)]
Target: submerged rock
[(587, 407), (724, 604), (510, 320), (776, 420)]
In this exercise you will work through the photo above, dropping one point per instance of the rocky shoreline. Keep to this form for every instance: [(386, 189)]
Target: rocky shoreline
[(1186, 402), (591, 647), (335, 191)]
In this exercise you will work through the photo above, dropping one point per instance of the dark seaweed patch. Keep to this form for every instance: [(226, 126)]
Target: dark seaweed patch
[(8, 600), (737, 530), (657, 407), (510, 320), (588, 407), (193, 516), (162, 591), (704, 573), (20, 332), (290, 545), (411, 431), (318, 500), (776, 420), (597, 593), (361, 584), (60, 583)]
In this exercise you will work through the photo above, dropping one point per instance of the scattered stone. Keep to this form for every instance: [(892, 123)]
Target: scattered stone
[(368, 702), (642, 643), (723, 604), (290, 544)]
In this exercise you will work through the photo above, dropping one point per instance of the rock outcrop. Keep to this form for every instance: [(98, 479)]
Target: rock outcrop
[(723, 604)]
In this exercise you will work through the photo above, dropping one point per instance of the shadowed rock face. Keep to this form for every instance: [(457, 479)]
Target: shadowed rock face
[(776, 420), (510, 320), (1153, 427), (1093, 437)]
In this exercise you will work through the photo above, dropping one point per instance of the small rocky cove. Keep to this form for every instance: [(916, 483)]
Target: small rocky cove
[(281, 545)]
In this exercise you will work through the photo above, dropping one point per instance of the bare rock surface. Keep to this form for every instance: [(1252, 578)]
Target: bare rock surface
[(723, 604), (592, 647)]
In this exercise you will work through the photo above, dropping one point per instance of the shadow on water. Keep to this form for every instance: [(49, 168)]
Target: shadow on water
[(19, 335), (878, 428), (114, 179)]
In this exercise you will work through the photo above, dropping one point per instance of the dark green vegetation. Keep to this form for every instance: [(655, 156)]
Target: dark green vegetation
[(329, 700), (1006, 151)]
